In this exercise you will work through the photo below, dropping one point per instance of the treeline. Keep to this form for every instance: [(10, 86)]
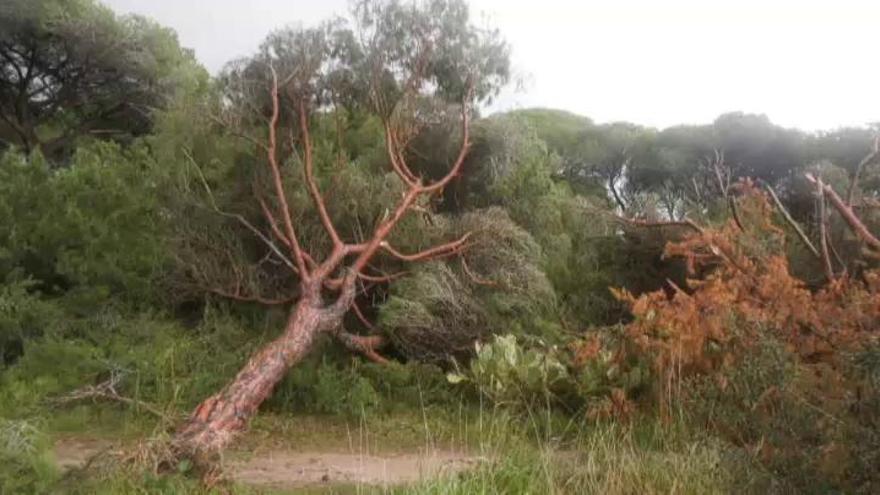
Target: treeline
[(125, 163), (125, 166)]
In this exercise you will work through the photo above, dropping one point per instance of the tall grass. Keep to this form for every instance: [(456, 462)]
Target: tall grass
[(534, 446), (604, 458), (539, 451)]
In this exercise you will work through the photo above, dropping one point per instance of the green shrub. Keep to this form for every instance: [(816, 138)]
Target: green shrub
[(410, 385), (328, 383), (527, 373), (159, 361), (86, 231), (438, 312), (507, 373), (341, 391), (23, 316), (49, 367), (26, 466), (799, 420)]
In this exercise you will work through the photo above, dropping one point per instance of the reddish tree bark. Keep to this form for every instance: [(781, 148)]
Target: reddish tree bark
[(217, 419), (326, 287)]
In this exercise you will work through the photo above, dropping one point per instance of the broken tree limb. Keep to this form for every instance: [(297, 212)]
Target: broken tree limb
[(854, 182), (107, 390), (272, 160), (239, 218), (476, 278), (823, 237), (687, 223), (440, 251), (855, 224), (356, 309), (366, 345), (791, 221)]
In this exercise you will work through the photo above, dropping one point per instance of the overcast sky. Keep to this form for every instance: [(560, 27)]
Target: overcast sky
[(813, 64)]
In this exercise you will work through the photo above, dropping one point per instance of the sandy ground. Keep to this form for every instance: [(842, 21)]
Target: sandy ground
[(283, 469)]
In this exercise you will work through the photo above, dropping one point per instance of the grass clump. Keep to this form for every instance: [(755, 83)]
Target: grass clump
[(26, 464), (605, 458)]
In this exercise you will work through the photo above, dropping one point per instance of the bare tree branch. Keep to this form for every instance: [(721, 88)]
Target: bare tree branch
[(365, 345), (853, 183), (823, 237), (442, 250), (309, 171), (279, 185), (846, 212), (356, 309), (474, 277), (791, 221), (241, 219), (107, 390), (687, 223)]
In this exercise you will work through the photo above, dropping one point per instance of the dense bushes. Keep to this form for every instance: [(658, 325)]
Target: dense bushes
[(159, 362), (171, 368), (118, 258), (754, 356), (23, 316), (744, 351), (89, 232), (582, 249), (497, 286), (351, 389)]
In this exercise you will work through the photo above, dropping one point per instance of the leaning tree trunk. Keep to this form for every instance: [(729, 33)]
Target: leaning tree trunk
[(217, 420)]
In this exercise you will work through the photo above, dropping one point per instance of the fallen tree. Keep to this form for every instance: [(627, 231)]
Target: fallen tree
[(399, 56)]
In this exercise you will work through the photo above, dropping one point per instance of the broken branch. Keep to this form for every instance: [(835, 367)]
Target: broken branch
[(846, 212), (365, 345), (688, 223), (853, 184), (442, 250), (823, 238), (792, 222)]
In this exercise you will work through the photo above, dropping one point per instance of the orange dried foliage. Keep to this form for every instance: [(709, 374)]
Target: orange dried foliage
[(617, 405), (584, 351), (742, 287)]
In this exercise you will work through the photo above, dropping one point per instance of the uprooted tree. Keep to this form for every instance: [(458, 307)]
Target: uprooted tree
[(397, 58)]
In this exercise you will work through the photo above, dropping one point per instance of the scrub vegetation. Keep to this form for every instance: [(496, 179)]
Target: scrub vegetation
[(327, 249)]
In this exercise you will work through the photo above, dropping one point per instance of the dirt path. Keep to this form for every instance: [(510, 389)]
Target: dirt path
[(291, 469), (280, 469)]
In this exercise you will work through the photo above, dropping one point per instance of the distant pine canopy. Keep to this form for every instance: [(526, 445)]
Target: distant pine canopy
[(72, 69)]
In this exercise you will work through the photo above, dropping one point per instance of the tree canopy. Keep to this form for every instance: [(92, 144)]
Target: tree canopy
[(73, 69)]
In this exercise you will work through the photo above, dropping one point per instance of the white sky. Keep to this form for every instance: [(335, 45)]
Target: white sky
[(813, 64)]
